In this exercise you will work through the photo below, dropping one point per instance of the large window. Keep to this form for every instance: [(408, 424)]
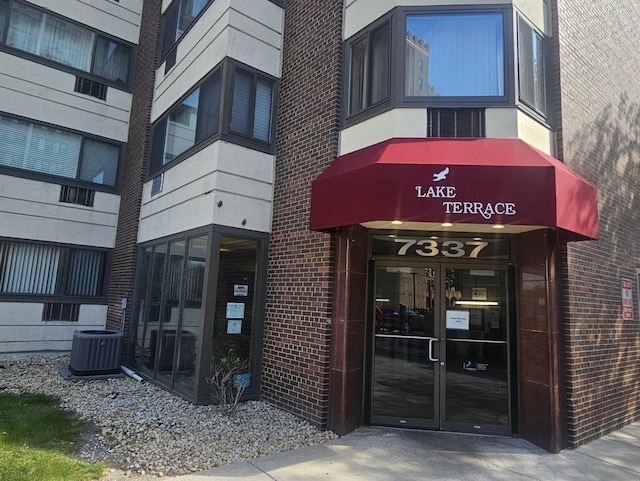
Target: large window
[(199, 295), (462, 55), (177, 19), (42, 149), (370, 69), (455, 57), (531, 71), (48, 36), (197, 117), (50, 270)]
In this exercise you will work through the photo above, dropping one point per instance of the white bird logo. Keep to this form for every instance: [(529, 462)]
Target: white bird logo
[(441, 175)]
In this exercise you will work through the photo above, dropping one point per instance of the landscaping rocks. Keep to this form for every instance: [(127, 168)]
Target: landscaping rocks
[(142, 431)]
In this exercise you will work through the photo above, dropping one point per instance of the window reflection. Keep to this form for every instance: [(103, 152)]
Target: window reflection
[(235, 297), (462, 55)]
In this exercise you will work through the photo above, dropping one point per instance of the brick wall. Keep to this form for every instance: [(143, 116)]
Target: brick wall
[(600, 138), (122, 279), (300, 278)]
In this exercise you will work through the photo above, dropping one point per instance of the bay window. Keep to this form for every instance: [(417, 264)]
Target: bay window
[(43, 149), (48, 36), (244, 116), (30, 269), (437, 57)]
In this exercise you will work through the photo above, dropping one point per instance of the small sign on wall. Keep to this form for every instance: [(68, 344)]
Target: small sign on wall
[(627, 300)]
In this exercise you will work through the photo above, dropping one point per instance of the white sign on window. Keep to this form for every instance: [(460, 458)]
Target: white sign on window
[(458, 320), (240, 290), (234, 326), (235, 310)]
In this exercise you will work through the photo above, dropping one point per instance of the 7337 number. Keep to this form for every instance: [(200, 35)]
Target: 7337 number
[(447, 248)]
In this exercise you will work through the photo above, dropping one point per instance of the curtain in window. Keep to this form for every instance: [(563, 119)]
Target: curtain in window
[(66, 43), (38, 148), (99, 162), (112, 60), (24, 29), (85, 273), (28, 268), (241, 103), (50, 37), (465, 53), (262, 115)]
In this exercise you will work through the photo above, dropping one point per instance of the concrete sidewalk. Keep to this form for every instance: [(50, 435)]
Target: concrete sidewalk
[(385, 454)]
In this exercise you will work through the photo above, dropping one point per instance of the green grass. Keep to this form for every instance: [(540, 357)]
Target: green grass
[(37, 441)]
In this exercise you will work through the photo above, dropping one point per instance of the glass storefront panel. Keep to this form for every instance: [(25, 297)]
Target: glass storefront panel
[(235, 298), (193, 312), (186, 316)]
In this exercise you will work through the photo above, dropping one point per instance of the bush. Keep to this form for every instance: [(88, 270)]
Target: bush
[(225, 387)]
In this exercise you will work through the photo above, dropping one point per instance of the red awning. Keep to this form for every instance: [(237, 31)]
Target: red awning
[(475, 181)]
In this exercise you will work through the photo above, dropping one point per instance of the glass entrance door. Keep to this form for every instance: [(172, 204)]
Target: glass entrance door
[(440, 350)]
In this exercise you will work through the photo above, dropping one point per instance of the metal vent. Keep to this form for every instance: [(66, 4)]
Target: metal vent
[(76, 195), (95, 353), (456, 123), (58, 311), (91, 87)]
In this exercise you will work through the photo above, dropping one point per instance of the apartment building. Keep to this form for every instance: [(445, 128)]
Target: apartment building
[(65, 100), (415, 213)]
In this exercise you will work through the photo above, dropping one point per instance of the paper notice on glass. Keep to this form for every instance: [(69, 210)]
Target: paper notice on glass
[(235, 310), (234, 326), (240, 290), (458, 320)]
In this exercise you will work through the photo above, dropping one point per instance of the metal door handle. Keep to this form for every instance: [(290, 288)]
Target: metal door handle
[(431, 358)]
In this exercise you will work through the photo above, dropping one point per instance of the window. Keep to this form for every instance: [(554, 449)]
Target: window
[(531, 67), (370, 70), (189, 122), (251, 105), (48, 150), (197, 117), (455, 56), (171, 279), (56, 39), (198, 295), (177, 20), (49, 270), (463, 54)]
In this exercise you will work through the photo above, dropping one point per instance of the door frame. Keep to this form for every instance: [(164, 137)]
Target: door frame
[(441, 264)]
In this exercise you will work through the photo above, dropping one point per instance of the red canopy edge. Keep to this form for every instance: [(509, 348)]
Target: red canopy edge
[(475, 181)]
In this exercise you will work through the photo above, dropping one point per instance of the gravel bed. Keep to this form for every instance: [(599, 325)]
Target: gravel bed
[(142, 431)]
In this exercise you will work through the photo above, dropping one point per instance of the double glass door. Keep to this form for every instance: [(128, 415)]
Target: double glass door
[(440, 347)]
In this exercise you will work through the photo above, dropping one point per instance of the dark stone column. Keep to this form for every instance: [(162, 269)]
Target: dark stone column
[(539, 339), (348, 330)]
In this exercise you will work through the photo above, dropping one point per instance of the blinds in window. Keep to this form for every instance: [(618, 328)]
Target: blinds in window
[(241, 107), (262, 115), (38, 148), (28, 268), (85, 273)]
